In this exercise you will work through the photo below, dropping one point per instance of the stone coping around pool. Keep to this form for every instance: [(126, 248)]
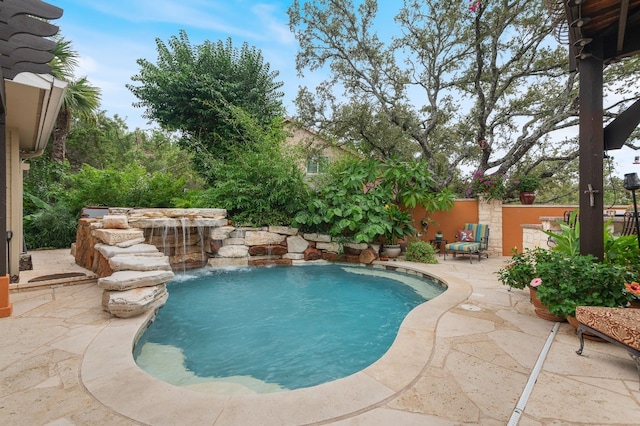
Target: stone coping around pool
[(111, 375)]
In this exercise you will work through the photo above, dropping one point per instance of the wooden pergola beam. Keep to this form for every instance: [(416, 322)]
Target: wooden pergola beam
[(591, 152)]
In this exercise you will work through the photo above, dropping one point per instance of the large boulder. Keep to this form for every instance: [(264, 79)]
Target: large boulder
[(233, 251), (312, 254), (297, 244), (131, 303), (115, 221), (367, 256)]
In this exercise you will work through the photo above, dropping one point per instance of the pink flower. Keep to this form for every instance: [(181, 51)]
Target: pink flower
[(535, 282), (475, 5)]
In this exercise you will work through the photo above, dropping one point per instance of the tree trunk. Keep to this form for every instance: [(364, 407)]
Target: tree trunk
[(60, 133)]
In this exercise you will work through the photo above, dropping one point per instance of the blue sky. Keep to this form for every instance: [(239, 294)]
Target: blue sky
[(111, 35)]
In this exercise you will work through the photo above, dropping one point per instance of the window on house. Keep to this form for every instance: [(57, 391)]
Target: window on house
[(317, 164)]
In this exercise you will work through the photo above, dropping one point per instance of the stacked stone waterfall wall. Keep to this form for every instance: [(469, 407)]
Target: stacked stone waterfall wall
[(139, 272), (135, 251)]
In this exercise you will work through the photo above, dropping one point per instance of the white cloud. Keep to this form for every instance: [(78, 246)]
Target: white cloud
[(275, 28), (205, 15)]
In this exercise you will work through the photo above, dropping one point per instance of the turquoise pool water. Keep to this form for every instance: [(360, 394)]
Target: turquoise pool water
[(279, 328)]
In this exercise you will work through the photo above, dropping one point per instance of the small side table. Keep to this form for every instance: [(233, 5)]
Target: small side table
[(440, 245)]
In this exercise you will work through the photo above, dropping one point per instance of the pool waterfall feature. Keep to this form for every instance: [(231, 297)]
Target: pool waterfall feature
[(135, 251)]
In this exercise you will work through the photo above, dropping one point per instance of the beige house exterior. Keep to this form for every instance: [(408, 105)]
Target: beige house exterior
[(317, 151), (32, 105)]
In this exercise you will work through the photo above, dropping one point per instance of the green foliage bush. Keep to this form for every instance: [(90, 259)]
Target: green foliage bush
[(260, 185), (365, 200), (580, 280), (45, 181), (420, 251), (521, 269), (131, 186), (51, 227)]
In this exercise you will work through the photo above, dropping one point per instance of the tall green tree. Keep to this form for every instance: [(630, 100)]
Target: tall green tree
[(464, 90), (81, 99), (260, 186), (192, 89)]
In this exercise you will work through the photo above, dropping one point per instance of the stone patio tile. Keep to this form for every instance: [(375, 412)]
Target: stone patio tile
[(386, 417), (455, 325), (564, 399), (438, 394), (492, 388)]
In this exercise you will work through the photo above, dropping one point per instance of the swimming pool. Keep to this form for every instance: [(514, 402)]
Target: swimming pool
[(258, 330)]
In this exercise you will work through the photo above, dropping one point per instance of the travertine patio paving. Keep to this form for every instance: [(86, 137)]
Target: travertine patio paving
[(463, 358)]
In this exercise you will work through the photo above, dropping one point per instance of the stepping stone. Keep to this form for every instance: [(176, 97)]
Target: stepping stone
[(125, 262), (115, 236), (126, 280), (109, 251)]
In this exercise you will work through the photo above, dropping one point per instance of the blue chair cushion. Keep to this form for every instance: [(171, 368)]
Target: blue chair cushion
[(463, 247), (479, 231)]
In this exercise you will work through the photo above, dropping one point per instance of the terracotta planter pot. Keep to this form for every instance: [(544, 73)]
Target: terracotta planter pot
[(540, 309), (634, 304), (574, 322), (527, 197)]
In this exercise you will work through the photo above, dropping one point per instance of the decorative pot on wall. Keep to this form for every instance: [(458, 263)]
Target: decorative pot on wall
[(391, 250), (527, 197)]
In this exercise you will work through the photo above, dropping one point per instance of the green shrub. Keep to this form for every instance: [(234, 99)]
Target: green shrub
[(367, 200), (420, 251), (568, 282), (45, 181), (130, 187), (51, 227), (521, 269), (260, 186)]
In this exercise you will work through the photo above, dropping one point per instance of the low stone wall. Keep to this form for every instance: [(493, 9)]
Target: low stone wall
[(134, 252)]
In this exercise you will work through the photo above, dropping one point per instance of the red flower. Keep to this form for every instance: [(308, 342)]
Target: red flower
[(633, 287), (475, 4)]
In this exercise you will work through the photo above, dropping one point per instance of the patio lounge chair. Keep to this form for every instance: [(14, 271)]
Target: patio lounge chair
[(476, 244), (620, 326)]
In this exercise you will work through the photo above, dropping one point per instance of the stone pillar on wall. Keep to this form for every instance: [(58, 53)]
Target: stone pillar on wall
[(532, 236), (490, 213)]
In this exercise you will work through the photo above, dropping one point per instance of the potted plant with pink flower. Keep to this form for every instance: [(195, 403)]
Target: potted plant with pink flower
[(561, 282)]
